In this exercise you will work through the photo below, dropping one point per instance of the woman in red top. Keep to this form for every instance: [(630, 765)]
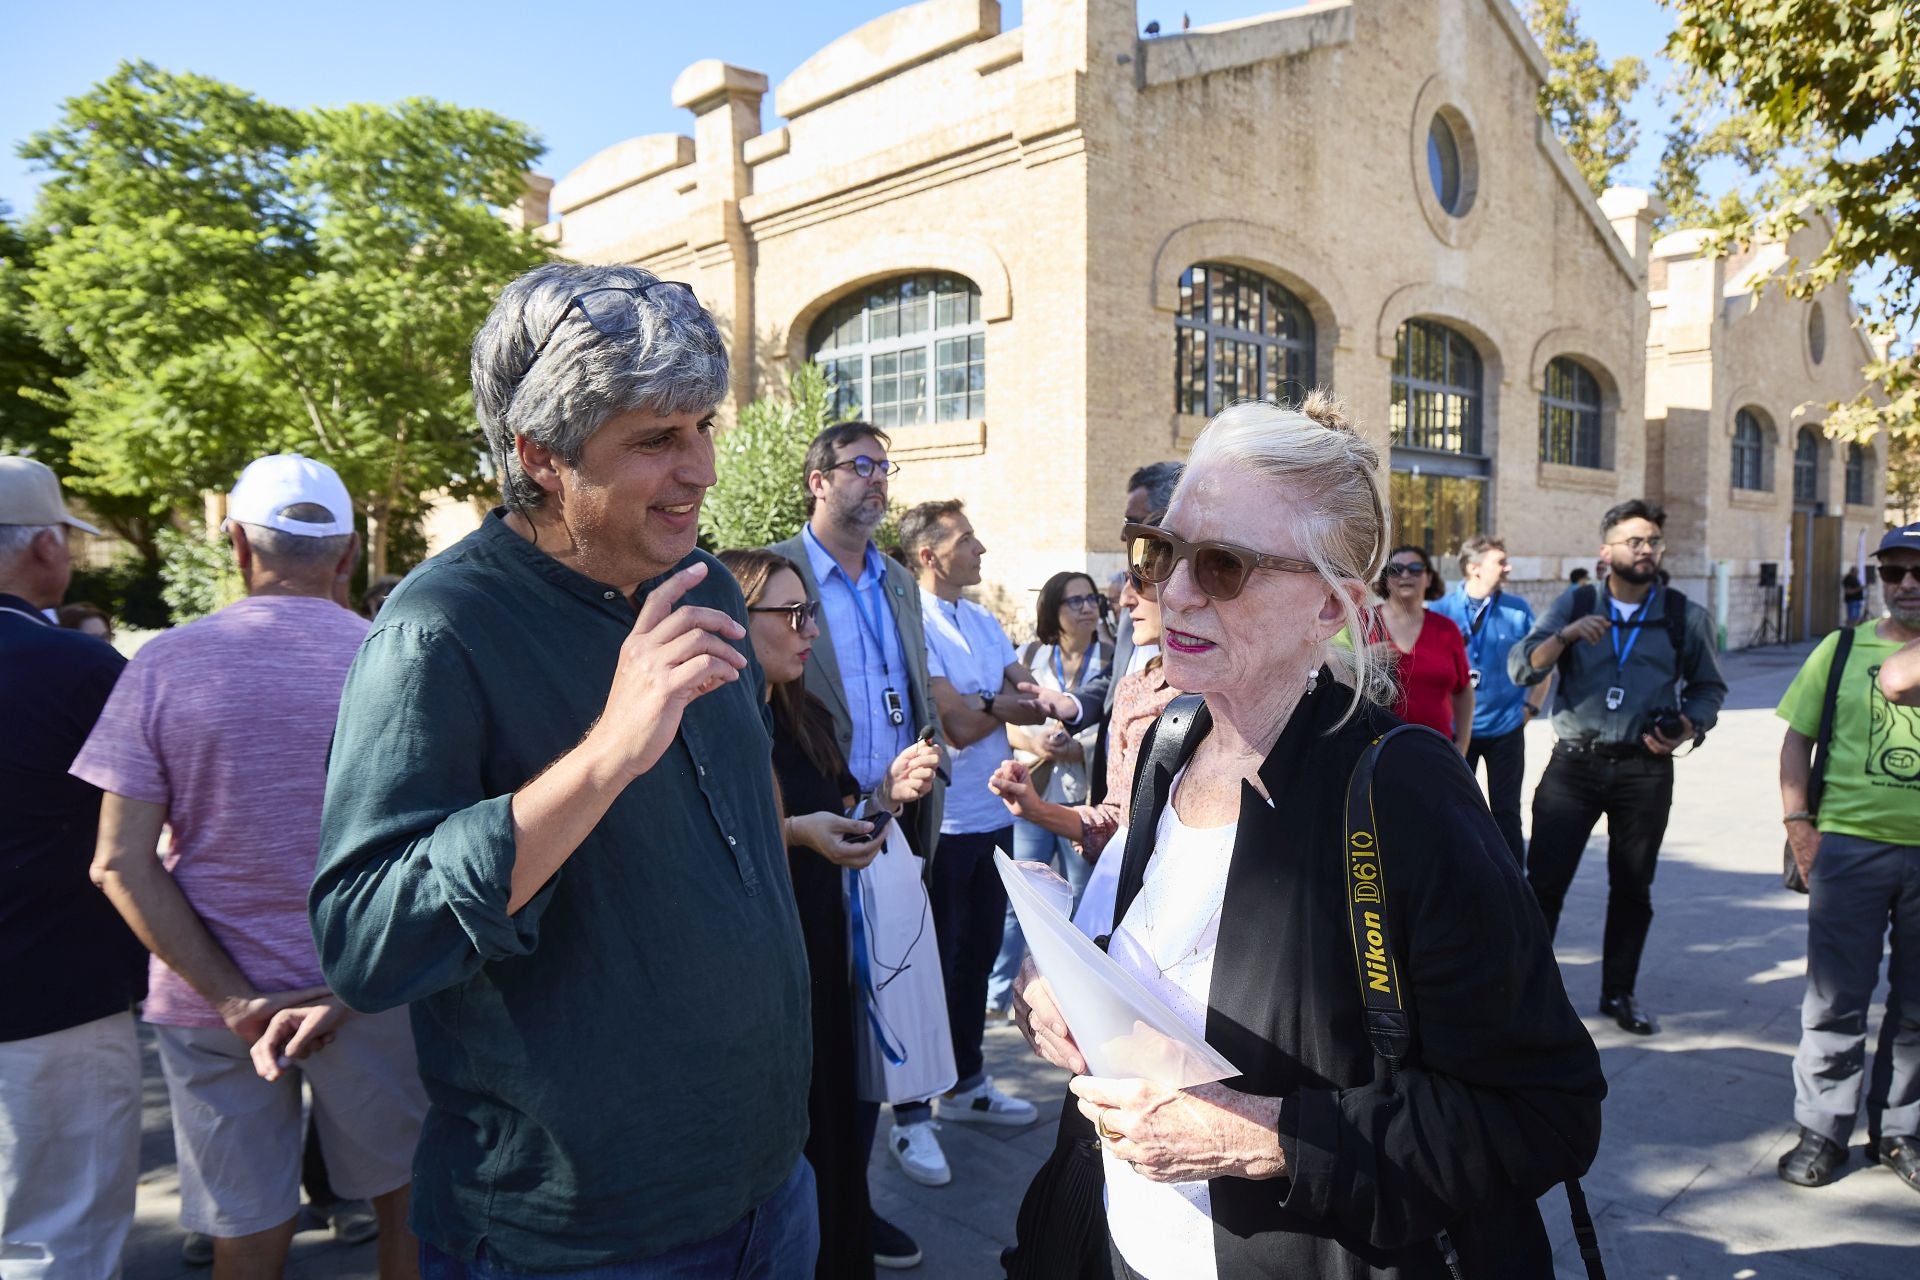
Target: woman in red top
[(1429, 655)]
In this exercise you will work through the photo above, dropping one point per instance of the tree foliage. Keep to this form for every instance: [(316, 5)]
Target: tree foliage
[(234, 278), (761, 494), (1585, 99), (1817, 102)]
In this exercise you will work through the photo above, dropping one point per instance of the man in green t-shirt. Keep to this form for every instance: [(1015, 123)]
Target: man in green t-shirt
[(1860, 855)]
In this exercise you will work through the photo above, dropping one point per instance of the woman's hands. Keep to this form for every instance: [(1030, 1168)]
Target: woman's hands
[(1061, 747), (1185, 1135), (1013, 783), (910, 776), (1040, 1021), (827, 835)]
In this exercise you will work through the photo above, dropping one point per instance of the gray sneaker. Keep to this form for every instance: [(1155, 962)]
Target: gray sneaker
[(351, 1221), (197, 1250)]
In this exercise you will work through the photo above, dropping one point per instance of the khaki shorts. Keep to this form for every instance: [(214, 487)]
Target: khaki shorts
[(238, 1137)]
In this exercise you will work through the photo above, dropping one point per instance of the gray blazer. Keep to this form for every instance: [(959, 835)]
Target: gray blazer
[(824, 681)]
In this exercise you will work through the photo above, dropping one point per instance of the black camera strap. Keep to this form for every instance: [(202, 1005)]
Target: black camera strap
[(1388, 1027)]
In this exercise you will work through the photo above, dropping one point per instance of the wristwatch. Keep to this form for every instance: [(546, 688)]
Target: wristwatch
[(986, 703)]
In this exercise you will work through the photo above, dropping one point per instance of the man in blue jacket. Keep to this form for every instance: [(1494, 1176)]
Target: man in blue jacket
[(1492, 622)]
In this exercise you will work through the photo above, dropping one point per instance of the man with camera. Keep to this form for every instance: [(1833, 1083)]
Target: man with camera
[(1638, 680)]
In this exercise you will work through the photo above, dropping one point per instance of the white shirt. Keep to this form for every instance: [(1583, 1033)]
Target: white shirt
[(967, 647), (1167, 941)]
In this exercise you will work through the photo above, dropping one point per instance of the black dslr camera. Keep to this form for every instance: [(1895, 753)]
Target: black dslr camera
[(1666, 723)]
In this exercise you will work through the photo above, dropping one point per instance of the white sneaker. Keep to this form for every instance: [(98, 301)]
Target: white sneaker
[(984, 1104), (919, 1153)]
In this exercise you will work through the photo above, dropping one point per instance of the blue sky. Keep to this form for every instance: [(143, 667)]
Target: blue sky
[(601, 76)]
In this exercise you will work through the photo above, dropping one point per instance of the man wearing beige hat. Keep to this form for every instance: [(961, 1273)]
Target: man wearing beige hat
[(220, 730), (69, 1061)]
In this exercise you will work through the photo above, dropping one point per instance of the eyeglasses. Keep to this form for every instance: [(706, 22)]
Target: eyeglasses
[(1082, 602), (1402, 570), (1655, 545), (1220, 569), (1895, 574), (863, 466), (612, 310), (799, 613)]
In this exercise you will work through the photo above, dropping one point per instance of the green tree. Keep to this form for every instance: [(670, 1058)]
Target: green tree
[(237, 278), (1817, 102), (1584, 99), (761, 495)]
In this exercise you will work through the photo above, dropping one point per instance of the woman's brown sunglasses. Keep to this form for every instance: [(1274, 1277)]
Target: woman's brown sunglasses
[(1220, 569)]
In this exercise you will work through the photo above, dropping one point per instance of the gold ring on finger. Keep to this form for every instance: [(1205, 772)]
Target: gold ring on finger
[(1100, 1124)]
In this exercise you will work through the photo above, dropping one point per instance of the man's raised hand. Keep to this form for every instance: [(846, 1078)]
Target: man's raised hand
[(674, 654)]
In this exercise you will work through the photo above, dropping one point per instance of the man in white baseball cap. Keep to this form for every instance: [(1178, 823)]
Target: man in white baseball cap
[(69, 1054), (239, 1005)]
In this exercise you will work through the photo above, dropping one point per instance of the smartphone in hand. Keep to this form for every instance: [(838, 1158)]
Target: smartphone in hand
[(879, 819)]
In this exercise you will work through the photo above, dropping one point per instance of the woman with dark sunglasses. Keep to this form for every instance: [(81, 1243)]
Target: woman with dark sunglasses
[(1424, 649), (1233, 905), (816, 790)]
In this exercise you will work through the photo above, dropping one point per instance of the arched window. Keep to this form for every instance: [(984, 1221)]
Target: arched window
[(1857, 459), (1438, 486), (1436, 389), (904, 351), (1238, 336), (1570, 415), (1749, 451), (1806, 468)]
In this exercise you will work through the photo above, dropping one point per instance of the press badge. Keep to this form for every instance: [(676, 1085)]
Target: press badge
[(1473, 677), (896, 712), (1615, 696)]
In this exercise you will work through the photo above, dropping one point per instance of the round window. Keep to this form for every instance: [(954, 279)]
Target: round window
[(1817, 333), (1443, 166)]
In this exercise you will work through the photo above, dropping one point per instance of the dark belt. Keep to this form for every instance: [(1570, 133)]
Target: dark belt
[(1602, 750)]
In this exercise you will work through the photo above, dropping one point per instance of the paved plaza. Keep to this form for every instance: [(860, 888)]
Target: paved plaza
[(1697, 1116)]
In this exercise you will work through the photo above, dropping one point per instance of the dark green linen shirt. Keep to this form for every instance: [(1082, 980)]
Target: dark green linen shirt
[(1653, 675), (621, 1067)]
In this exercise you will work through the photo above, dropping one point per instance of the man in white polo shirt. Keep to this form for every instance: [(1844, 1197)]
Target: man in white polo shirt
[(220, 730), (974, 682)]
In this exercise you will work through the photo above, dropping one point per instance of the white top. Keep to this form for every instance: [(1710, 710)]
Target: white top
[(967, 647), (1167, 941)]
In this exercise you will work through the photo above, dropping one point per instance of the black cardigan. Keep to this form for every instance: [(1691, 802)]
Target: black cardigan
[(1500, 1098)]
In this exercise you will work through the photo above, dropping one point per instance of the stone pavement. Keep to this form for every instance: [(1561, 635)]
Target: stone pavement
[(1684, 1186)]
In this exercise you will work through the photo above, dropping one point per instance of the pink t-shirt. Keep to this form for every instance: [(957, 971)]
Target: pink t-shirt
[(226, 722)]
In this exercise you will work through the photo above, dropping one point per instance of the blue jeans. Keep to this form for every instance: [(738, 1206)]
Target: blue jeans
[(1031, 844), (776, 1241)]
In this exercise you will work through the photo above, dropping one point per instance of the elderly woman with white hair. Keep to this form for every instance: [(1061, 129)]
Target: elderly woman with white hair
[(1352, 1142)]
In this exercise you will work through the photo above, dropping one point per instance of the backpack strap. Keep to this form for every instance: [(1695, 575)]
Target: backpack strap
[(1823, 742), (1674, 614), (1388, 1028), (1169, 744)]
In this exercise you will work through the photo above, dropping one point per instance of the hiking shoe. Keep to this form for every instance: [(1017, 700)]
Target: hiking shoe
[(984, 1104), (919, 1154), (893, 1249), (351, 1221), (1902, 1155), (197, 1250), (1812, 1163)]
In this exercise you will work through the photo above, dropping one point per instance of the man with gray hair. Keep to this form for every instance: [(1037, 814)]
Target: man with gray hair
[(551, 827), (219, 731), (69, 1056)]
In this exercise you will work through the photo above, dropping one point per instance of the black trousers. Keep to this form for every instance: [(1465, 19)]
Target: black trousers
[(1635, 793), (969, 914), (1506, 757)]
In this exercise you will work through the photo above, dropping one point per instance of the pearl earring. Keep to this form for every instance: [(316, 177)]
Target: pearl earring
[(1313, 679)]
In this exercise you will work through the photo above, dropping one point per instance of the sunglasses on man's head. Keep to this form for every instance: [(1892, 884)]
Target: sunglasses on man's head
[(1403, 570), (799, 613), (1894, 574), (1220, 569), (611, 310)]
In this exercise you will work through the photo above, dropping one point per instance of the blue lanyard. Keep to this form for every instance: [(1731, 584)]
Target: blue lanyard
[(1622, 652), (868, 994), (1479, 625), (872, 620), (1060, 670)]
